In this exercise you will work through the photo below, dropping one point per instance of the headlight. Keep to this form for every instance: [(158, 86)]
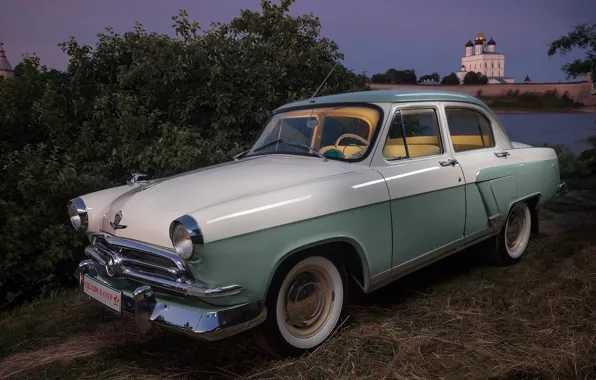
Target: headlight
[(187, 238), (77, 211)]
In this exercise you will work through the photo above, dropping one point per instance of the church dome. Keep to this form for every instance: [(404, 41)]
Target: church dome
[(491, 42), (480, 37), (469, 44), (479, 42)]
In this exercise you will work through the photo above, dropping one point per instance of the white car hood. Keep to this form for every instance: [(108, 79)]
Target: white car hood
[(148, 210)]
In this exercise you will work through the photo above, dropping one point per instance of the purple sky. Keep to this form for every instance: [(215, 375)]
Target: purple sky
[(427, 35)]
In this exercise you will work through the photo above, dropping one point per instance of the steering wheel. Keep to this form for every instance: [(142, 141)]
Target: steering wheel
[(361, 139)]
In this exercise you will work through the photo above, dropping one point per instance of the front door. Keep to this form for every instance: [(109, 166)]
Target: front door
[(425, 185)]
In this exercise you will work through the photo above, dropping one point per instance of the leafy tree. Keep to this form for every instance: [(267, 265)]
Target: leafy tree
[(583, 36), (148, 102), (475, 78), (450, 79), (394, 76), (433, 77)]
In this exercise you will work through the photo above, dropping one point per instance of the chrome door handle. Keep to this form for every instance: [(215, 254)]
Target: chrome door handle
[(449, 161), (502, 154)]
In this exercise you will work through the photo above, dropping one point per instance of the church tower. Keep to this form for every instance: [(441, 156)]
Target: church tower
[(5, 68), (469, 47), (491, 45), (479, 42)]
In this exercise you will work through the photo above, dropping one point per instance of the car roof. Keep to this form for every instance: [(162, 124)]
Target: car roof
[(391, 96)]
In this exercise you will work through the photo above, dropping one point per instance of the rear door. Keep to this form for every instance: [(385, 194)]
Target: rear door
[(489, 171), (425, 184)]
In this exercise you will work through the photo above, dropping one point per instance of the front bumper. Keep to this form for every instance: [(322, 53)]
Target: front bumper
[(205, 322)]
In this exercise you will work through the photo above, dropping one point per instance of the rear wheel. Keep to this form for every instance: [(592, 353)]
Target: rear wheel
[(305, 306), (512, 241)]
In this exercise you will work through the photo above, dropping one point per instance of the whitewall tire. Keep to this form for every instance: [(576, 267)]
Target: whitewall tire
[(512, 241), (305, 305)]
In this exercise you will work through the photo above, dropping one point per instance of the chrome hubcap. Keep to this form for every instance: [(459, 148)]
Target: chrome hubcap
[(308, 301), (516, 224)]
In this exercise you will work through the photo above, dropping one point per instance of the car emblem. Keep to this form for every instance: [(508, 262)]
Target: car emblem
[(113, 267), (116, 223)]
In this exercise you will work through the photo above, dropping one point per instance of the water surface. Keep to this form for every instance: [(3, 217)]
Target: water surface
[(570, 129)]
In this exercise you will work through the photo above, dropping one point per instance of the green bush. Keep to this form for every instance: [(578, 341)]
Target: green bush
[(142, 102)]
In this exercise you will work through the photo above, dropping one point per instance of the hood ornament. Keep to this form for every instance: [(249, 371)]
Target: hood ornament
[(116, 223), (136, 178)]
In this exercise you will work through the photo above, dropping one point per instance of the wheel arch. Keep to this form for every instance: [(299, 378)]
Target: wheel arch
[(532, 200), (344, 249)]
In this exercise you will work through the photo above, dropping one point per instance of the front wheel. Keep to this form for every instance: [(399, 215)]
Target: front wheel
[(305, 305), (512, 241)]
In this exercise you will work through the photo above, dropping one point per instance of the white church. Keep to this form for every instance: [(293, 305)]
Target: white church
[(482, 57)]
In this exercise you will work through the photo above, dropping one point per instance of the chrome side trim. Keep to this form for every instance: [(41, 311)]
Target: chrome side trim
[(384, 278), (199, 323)]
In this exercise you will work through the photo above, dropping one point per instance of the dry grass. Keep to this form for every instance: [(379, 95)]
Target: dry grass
[(457, 319), (107, 335)]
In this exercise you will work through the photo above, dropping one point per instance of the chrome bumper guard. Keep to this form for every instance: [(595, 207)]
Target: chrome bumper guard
[(150, 265), (561, 188), (203, 324)]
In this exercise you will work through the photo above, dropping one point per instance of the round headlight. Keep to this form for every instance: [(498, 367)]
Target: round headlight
[(186, 237), (77, 212), (182, 241), (75, 219)]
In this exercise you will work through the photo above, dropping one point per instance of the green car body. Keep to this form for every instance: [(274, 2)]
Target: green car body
[(380, 213)]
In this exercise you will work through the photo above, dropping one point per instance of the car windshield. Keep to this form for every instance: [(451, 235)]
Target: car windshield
[(344, 133)]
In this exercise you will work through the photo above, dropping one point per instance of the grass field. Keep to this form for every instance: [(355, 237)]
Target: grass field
[(457, 319)]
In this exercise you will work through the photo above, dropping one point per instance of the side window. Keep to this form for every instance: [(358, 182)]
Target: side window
[(413, 133), (469, 129)]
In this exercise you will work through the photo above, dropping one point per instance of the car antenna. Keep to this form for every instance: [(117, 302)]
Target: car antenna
[(312, 100)]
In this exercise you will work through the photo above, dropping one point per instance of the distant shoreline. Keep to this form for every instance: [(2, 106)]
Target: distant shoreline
[(590, 109)]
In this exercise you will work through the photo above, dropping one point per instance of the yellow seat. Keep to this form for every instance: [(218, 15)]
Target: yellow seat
[(348, 151), (418, 146)]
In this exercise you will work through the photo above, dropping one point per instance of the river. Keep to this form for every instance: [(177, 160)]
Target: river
[(570, 129)]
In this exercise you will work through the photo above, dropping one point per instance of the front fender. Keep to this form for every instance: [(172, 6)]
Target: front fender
[(247, 238)]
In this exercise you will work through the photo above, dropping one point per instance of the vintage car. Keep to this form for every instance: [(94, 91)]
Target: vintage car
[(354, 189)]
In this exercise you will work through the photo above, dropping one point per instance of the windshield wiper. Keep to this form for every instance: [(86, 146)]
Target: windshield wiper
[(396, 158), (290, 143)]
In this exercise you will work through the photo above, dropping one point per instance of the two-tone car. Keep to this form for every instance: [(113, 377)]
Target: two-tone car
[(349, 190)]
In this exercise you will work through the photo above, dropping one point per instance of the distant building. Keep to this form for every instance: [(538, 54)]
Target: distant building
[(5, 68), (527, 80), (482, 57)]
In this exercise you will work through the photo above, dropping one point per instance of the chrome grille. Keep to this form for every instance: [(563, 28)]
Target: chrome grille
[(130, 259)]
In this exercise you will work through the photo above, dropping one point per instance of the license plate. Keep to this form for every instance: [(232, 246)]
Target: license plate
[(110, 297)]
